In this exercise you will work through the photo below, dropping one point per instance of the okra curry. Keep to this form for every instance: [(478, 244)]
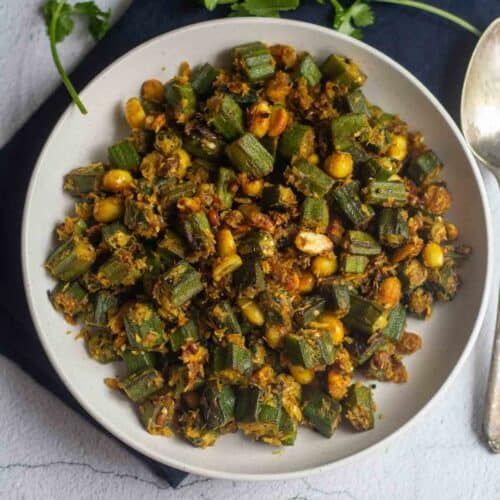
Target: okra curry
[(251, 250)]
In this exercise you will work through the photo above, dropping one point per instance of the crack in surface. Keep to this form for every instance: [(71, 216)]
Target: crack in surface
[(115, 474), (329, 493)]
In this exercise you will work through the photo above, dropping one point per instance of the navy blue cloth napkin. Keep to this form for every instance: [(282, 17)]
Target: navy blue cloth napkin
[(432, 49)]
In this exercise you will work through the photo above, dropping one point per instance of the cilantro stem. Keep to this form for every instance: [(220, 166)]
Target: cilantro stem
[(64, 77), (435, 10)]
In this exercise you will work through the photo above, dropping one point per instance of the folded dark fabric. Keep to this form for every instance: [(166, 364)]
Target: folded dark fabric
[(434, 50)]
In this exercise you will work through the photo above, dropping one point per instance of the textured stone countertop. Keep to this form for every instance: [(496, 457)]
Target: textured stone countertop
[(47, 451)]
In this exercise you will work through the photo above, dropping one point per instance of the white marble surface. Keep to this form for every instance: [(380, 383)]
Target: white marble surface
[(47, 451)]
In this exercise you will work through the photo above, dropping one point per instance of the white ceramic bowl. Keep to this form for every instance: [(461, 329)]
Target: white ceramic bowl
[(76, 140)]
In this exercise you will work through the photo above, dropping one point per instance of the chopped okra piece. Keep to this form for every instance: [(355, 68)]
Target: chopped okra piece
[(202, 79), (157, 414), (225, 318), (84, 180), (359, 407), (193, 428), (424, 168), (225, 179), (249, 156), (343, 71), (392, 228), (104, 306), (202, 142), (348, 126), (217, 404), (443, 282), (249, 278), (257, 244), (188, 332), (276, 305), (198, 233), (255, 60), (395, 323), (232, 357), (172, 245), (362, 349), (308, 310), (350, 205), (124, 155), (287, 429), (365, 315), (353, 264), (308, 69), (136, 360), (309, 348), (322, 412), (101, 348), (69, 298), (140, 385), (141, 218), (226, 117), (337, 296), (309, 179), (120, 269), (181, 100), (144, 327), (71, 259), (379, 169), (297, 142), (356, 102), (178, 285), (412, 274), (184, 379), (169, 193), (278, 197), (116, 235), (254, 406), (315, 214), (361, 243), (385, 194)]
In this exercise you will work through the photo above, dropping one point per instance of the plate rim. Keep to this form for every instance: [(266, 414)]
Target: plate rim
[(114, 429)]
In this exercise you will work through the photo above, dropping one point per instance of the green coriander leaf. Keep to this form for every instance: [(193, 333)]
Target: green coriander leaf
[(349, 20), (210, 4), (362, 15), (64, 25), (98, 19), (268, 8)]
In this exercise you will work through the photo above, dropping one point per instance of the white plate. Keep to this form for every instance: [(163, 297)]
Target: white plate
[(76, 140)]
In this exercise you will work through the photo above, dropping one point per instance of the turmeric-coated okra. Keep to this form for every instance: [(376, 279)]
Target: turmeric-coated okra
[(259, 239)]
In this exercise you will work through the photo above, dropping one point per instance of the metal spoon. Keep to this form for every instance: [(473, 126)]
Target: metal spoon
[(480, 115)]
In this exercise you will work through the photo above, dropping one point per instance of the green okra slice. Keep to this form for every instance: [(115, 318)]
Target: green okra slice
[(249, 278), (315, 214), (136, 360), (309, 348), (343, 71), (363, 349), (271, 144), (225, 179), (171, 246), (198, 233), (257, 243), (287, 429), (349, 204), (193, 428), (365, 315), (202, 79), (386, 194), (276, 305), (296, 142), (140, 385), (189, 332), (356, 102), (181, 100), (225, 318), (380, 169), (157, 414), (353, 264), (395, 323), (101, 348), (443, 283), (232, 357), (183, 380), (361, 243), (309, 179), (145, 329), (142, 219), (120, 269), (249, 156), (226, 117), (124, 155), (105, 304), (393, 229), (278, 197), (256, 406), (217, 404), (322, 412), (169, 193), (178, 285), (116, 235), (71, 259), (70, 298), (309, 309), (202, 142), (376, 139), (348, 126), (412, 274), (336, 295), (84, 180), (255, 60), (359, 407), (308, 69), (424, 168)]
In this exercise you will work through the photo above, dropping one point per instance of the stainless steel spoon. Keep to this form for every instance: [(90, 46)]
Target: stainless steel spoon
[(480, 116)]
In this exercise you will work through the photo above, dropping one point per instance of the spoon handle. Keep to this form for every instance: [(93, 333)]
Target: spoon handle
[(492, 408)]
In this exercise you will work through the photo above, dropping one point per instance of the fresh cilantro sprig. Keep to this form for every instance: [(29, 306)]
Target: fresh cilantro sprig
[(59, 19), (348, 19)]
